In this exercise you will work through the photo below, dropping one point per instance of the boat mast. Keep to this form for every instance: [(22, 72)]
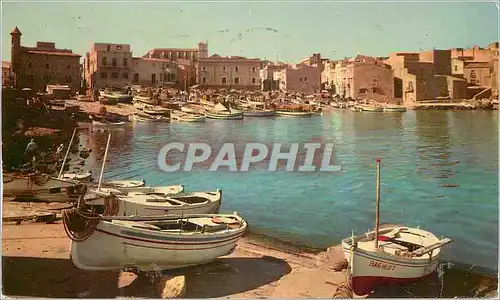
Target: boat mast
[(377, 209), (104, 163), (66, 156)]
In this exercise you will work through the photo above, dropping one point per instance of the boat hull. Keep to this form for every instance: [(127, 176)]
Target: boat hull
[(113, 247), (110, 124), (394, 109), (369, 270), (265, 113), (293, 114), (236, 116)]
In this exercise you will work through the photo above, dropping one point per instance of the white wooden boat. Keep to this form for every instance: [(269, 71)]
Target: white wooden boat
[(95, 194), (108, 124), (371, 108), (394, 108), (396, 254), (187, 117), (193, 108), (124, 185), (155, 243), (154, 110), (42, 187), (144, 99), (78, 176), (156, 203), (294, 113), (139, 105), (222, 113), (260, 113)]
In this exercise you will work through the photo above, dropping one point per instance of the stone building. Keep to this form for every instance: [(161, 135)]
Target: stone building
[(7, 78), (361, 78), (37, 67), (229, 72), (427, 75), (187, 59), (153, 72), (300, 79), (108, 65), (266, 75)]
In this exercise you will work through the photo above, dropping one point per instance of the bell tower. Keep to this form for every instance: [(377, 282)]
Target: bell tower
[(15, 50)]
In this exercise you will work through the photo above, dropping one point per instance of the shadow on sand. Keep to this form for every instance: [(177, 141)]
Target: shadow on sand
[(456, 283), (59, 278), (230, 276), (54, 278)]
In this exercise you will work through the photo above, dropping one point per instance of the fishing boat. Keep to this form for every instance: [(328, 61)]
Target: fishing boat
[(294, 113), (222, 113), (193, 108), (396, 254), (259, 113), (124, 185), (42, 187), (187, 117), (395, 108), (78, 176), (105, 123), (144, 99), (155, 110), (155, 203), (137, 104), (371, 108), (151, 243)]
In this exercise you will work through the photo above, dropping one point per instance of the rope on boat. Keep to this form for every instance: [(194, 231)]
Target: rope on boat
[(81, 222)]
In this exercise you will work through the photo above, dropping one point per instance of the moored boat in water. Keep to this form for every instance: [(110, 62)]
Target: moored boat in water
[(371, 108), (222, 113), (395, 254), (395, 108)]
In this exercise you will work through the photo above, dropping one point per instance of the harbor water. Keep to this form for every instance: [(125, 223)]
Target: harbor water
[(439, 172)]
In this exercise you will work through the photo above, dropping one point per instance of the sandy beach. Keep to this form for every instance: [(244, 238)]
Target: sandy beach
[(36, 263)]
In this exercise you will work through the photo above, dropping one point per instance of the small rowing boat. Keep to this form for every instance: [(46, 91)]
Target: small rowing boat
[(260, 113), (371, 108), (150, 243), (395, 108), (395, 254), (106, 123)]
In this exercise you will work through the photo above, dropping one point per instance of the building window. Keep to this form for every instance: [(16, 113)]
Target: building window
[(253, 80), (125, 62), (119, 47), (253, 69), (47, 66), (114, 75), (236, 80), (68, 67), (224, 80), (204, 68), (104, 75), (109, 48), (456, 68), (136, 77), (125, 75), (114, 62), (472, 73), (204, 80), (305, 79), (236, 69), (223, 68), (104, 60)]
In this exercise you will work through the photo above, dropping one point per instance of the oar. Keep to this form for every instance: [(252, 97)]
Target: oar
[(66, 156)]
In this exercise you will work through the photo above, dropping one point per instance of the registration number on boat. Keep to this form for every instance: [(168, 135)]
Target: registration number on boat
[(382, 266)]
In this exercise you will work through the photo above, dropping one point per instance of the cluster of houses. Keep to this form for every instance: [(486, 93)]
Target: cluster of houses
[(400, 77)]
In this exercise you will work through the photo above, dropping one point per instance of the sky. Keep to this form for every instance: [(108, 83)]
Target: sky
[(285, 31)]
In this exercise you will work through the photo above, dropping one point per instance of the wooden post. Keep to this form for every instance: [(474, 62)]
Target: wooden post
[(104, 163), (66, 156), (377, 209)]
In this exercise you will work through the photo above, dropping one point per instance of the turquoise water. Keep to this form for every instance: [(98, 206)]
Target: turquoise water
[(439, 172)]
